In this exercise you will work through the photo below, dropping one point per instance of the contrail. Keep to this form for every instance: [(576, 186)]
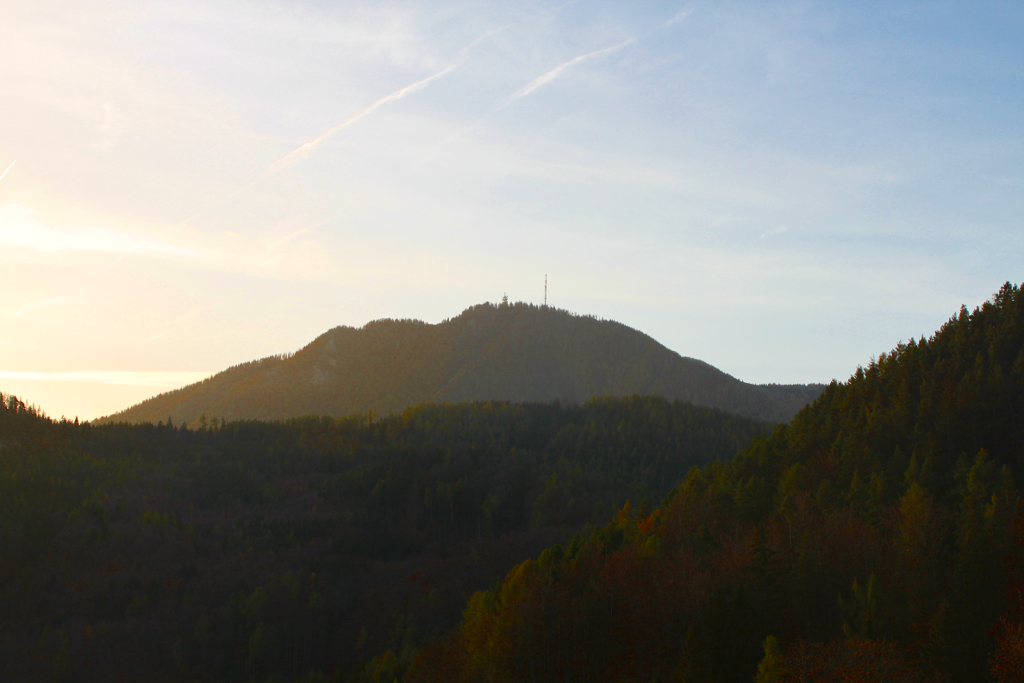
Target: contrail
[(36, 304), (275, 245), (303, 150), (112, 264), (679, 16), (8, 169), (563, 5), (554, 73), (524, 91)]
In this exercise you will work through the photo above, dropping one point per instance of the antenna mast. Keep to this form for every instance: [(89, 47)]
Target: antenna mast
[(545, 289)]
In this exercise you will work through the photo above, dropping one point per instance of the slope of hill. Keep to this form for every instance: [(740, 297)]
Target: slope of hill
[(512, 353), (260, 551), (878, 536)]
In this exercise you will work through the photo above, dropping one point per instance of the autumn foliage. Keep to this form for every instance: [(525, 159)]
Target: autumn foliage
[(874, 538), (856, 660)]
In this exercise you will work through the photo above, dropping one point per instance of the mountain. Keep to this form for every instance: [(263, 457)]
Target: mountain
[(879, 536), (516, 353)]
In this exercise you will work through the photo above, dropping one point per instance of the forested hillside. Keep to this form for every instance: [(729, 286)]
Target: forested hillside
[(511, 353), (272, 551), (877, 537)]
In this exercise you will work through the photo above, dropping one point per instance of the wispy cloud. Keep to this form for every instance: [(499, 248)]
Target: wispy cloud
[(303, 150), (18, 229), (557, 71), (110, 265), (679, 16), (42, 303), (564, 5), (777, 231), (523, 92), (107, 129), (138, 379), (274, 245)]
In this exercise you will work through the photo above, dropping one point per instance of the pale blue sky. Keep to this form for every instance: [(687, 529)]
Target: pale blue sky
[(782, 189)]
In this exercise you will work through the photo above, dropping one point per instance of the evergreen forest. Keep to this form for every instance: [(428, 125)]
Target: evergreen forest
[(266, 551), (876, 536), (879, 536)]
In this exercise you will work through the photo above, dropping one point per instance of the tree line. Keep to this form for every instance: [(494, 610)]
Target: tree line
[(253, 551)]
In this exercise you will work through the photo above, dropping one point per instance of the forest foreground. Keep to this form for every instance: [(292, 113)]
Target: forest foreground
[(879, 535)]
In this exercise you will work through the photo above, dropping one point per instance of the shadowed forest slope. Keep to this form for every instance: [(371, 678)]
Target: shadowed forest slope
[(877, 536), (514, 353), (263, 551)]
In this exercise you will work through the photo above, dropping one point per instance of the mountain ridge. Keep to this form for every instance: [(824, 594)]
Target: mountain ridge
[(511, 352)]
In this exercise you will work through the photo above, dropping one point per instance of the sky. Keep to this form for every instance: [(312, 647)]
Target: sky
[(782, 189)]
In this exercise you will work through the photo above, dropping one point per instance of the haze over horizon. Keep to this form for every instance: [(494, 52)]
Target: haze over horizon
[(782, 190)]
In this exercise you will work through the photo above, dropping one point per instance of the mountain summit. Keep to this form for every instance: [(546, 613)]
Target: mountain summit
[(510, 352)]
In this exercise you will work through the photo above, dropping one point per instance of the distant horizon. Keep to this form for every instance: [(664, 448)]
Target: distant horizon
[(143, 385)]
